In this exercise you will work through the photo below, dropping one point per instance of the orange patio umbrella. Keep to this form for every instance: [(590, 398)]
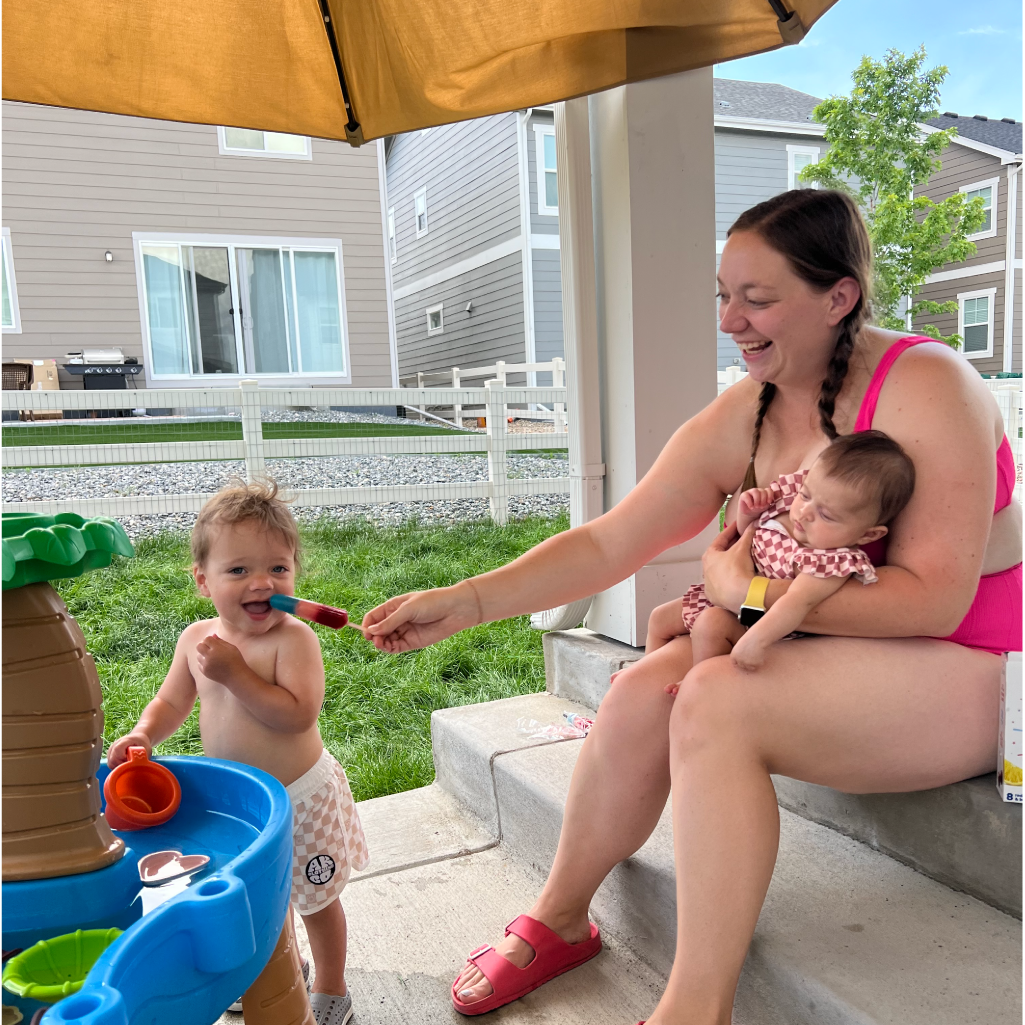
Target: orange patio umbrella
[(362, 69)]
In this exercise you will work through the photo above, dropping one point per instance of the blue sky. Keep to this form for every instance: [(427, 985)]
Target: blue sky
[(980, 42)]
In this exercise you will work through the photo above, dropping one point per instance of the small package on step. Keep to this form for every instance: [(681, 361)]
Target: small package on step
[(1009, 760)]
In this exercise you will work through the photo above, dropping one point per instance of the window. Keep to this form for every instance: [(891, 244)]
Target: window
[(547, 174), (798, 158), (975, 322), (436, 319), (392, 250), (246, 142), (11, 313), (213, 305), (987, 191), (420, 212)]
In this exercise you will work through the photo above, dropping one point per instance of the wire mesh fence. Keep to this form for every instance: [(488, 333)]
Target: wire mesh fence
[(329, 448)]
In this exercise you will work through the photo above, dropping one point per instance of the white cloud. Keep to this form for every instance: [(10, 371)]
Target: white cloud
[(984, 30)]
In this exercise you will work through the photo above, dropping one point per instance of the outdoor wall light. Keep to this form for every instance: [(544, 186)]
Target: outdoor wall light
[(469, 306), (108, 256)]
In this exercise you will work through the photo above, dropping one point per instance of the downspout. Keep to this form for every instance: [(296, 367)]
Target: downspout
[(382, 183), (1009, 258), (522, 117)]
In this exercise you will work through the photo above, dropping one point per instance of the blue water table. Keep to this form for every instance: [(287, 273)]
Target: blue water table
[(187, 949)]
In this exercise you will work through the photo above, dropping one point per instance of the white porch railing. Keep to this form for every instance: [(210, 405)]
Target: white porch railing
[(1007, 392), (247, 404)]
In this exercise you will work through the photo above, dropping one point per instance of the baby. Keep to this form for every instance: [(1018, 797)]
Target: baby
[(259, 678), (809, 526)]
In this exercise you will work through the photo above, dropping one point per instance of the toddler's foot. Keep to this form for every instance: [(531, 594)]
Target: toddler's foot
[(329, 1009)]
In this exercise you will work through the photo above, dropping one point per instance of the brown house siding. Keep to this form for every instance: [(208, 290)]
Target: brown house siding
[(961, 167), (78, 183)]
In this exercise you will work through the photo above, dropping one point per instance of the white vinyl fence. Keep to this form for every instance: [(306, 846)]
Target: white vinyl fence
[(1007, 392), (276, 423)]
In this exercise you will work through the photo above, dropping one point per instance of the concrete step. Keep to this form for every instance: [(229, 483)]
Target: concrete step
[(847, 936), (962, 835)]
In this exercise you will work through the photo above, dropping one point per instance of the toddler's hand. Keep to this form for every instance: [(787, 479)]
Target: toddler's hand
[(118, 751), (218, 660), (755, 501)]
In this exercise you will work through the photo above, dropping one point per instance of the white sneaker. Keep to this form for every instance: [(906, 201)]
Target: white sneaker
[(237, 1005), (331, 1010)]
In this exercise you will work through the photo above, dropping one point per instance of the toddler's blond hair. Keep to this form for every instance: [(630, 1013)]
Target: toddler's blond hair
[(257, 502)]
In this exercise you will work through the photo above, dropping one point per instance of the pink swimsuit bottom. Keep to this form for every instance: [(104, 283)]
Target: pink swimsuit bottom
[(994, 621)]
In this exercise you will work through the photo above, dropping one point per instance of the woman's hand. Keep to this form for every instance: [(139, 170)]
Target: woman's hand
[(728, 568), (421, 618)]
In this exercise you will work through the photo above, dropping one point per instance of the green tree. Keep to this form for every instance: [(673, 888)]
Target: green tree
[(879, 154)]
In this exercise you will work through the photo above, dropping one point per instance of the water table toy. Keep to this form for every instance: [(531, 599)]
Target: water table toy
[(326, 615), (53, 969), (64, 870), (162, 867), (140, 793)]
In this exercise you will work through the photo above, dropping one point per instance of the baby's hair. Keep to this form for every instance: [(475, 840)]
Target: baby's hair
[(240, 502), (876, 465)]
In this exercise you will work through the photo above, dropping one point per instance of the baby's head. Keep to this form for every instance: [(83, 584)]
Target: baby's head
[(245, 547), (852, 491)]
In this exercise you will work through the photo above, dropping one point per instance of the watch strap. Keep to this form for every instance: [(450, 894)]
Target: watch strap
[(756, 593)]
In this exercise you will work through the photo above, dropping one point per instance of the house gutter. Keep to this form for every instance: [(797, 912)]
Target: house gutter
[(382, 185), (522, 117), (1009, 261)]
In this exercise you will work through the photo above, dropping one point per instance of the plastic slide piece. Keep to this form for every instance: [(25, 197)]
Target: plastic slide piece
[(163, 866), (326, 615), (38, 548), (279, 997), (140, 793), (53, 969)]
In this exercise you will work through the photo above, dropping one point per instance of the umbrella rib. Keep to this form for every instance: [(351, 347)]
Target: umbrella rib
[(352, 126)]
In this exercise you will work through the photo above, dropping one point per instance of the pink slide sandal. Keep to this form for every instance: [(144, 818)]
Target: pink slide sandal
[(552, 956)]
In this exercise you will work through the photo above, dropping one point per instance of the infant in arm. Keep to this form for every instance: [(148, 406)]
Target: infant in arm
[(809, 527)]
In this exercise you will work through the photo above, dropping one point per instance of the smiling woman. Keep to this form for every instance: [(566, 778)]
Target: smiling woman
[(895, 688)]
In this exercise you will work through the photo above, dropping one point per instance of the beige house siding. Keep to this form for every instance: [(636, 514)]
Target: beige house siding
[(78, 183), (961, 167)]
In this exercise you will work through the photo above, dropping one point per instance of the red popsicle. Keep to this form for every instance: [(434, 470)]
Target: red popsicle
[(326, 615)]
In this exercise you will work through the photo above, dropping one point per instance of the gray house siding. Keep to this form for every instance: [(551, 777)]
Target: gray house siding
[(548, 340), (78, 183), (493, 330)]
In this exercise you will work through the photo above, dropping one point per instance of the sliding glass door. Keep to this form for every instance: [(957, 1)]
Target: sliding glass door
[(234, 309)]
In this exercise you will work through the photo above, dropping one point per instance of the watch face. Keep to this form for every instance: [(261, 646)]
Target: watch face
[(749, 615)]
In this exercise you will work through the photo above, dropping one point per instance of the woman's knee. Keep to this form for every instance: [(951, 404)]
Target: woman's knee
[(710, 706)]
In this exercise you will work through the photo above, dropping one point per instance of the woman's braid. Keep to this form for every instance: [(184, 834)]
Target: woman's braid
[(836, 373), (768, 393)]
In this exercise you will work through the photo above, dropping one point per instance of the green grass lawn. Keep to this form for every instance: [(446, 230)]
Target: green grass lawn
[(113, 432), (376, 717)]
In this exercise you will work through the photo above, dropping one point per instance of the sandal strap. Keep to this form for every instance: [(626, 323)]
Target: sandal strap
[(543, 940)]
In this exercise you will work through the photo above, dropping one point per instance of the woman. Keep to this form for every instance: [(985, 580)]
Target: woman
[(877, 703)]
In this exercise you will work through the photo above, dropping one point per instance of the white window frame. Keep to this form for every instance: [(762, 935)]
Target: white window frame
[(233, 151), (804, 151), (440, 310), (543, 209), (233, 242), (12, 285), (993, 183), (991, 294), (422, 191), (393, 244)]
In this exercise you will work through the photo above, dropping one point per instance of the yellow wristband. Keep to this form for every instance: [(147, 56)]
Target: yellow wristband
[(756, 593)]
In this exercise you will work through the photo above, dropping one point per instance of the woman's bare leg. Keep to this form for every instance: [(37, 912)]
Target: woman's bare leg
[(621, 776), (863, 716)]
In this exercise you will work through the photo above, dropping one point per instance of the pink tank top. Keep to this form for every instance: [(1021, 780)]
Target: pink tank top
[(994, 621)]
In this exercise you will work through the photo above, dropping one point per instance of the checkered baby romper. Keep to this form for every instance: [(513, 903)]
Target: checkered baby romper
[(778, 556), (327, 838)]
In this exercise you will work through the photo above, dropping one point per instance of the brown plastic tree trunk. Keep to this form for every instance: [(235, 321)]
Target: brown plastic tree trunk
[(279, 997), (52, 743)]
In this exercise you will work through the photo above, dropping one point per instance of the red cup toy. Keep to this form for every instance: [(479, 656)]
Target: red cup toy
[(140, 793)]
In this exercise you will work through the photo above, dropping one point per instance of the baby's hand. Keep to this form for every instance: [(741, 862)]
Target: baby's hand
[(755, 501), (218, 660), (748, 654), (118, 751)]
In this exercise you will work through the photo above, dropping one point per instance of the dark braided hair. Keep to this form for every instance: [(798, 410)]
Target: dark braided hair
[(824, 238)]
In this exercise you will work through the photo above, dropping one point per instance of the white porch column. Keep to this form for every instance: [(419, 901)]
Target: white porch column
[(654, 222)]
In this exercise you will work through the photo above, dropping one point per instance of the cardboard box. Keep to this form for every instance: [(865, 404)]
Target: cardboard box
[(44, 374), (1009, 745)]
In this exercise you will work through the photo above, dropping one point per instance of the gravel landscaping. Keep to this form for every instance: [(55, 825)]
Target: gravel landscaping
[(326, 472)]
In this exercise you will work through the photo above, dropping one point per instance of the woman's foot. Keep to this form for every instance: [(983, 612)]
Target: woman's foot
[(471, 985)]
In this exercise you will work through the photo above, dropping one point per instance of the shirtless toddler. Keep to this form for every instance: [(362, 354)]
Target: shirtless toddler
[(259, 678)]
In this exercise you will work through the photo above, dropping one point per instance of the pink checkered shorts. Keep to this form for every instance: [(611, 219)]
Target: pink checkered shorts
[(328, 844)]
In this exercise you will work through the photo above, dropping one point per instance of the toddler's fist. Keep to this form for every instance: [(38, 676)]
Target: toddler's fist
[(118, 751), (218, 659)]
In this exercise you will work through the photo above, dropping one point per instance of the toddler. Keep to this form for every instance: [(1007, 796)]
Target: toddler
[(259, 678), (809, 526)]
